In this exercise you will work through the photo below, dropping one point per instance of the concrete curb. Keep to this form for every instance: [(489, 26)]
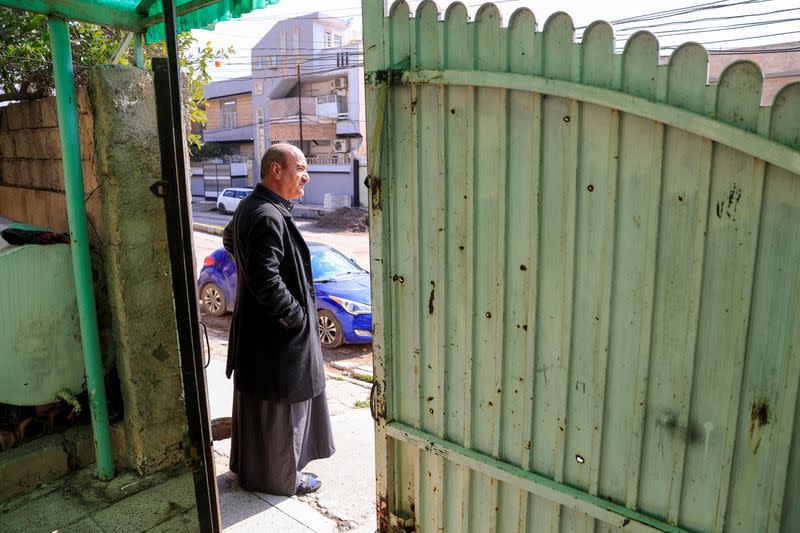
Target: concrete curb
[(360, 383), (207, 228)]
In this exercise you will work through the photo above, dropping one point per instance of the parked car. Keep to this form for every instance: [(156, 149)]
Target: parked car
[(228, 200), (344, 309)]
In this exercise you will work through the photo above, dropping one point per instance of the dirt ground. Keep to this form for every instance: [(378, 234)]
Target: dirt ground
[(345, 218)]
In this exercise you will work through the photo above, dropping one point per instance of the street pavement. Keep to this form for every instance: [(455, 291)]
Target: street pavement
[(346, 500)]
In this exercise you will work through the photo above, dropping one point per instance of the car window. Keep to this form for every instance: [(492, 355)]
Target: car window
[(241, 194), (328, 264), (228, 194)]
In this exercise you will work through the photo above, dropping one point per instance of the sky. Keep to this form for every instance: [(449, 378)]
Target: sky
[(717, 24)]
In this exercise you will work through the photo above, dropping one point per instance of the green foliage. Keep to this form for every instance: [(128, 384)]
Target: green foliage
[(362, 377), (26, 71), (209, 150), (195, 62)]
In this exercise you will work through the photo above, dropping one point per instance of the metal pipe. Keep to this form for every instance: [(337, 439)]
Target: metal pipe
[(79, 240), (71, 400), (138, 46)]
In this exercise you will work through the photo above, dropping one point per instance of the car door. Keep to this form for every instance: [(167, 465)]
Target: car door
[(228, 200)]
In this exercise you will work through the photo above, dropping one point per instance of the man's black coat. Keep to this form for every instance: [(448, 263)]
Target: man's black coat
[(274, 349)]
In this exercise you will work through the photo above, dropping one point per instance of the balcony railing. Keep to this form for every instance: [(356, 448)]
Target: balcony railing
[(329, 159)]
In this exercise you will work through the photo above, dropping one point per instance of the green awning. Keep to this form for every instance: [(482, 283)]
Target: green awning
[(142, 16)]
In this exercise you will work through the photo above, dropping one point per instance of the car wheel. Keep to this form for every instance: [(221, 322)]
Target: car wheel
[(221, 208), (213, 300), (330, 329)]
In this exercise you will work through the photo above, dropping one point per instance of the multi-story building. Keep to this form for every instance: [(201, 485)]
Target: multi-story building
[(229, 115), (308, 90), (229, 126)]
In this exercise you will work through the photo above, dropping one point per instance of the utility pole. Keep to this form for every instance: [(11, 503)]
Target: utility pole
[(300, 106)]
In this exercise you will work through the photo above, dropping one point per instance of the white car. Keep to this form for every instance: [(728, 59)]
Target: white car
[(229, 199)]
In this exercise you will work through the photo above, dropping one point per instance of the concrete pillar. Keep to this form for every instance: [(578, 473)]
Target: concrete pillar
[(137, 265)]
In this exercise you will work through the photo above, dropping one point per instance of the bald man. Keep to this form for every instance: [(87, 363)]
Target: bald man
[(280, 414)]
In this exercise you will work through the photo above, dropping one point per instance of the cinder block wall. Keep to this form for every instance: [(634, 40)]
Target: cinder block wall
[(31, 171)]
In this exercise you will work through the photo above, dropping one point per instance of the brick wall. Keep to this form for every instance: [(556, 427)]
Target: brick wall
[(291, 132), (31, 171)]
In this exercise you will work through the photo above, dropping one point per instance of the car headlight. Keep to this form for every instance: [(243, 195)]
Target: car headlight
[(354, 308)]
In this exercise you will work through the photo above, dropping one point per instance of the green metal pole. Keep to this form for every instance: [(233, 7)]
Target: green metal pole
[(79, 238), (138, 46)]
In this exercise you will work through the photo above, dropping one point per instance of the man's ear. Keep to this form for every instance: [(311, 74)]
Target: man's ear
[(276, 167)]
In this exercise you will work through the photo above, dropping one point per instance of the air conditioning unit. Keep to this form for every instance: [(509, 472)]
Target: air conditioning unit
[(339, 83), (340, 146)]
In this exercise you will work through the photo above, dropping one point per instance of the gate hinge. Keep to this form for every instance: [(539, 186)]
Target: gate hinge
[(390, 77), (373, 184), (399, 524)]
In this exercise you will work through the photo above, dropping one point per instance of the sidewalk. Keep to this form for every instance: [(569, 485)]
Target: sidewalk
[(164, 502), (346, 500)]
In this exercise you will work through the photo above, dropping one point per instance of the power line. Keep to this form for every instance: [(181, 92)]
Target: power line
[(712, 29), (294, 61), (269, 120), (310, 56), (709, 19), (719, 4), (737, 39), (310, 72)]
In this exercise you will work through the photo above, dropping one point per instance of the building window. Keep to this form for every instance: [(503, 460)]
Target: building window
[(296, 45), (259, 87), (260, 131), (337, 39), (343, 59), (283, 42), (341, 104), (328, 39), (229, 114), (258, 63)]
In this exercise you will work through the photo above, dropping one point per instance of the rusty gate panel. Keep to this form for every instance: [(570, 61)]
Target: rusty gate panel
[(585, 280)]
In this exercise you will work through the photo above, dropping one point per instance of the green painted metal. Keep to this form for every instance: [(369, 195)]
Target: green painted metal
[(594, 506), (138, 16), (117, 15), (586, 277), (79, 241), (138, 47)]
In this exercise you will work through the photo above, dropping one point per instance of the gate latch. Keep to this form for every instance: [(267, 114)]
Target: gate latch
[(159, 189)]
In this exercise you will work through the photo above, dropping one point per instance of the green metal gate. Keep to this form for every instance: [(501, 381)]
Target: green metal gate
[(586, 270)]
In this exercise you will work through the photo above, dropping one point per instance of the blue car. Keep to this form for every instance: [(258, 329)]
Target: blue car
[(344, 308)]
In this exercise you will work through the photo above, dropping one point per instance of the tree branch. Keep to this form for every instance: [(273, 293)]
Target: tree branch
[(18, 95)]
